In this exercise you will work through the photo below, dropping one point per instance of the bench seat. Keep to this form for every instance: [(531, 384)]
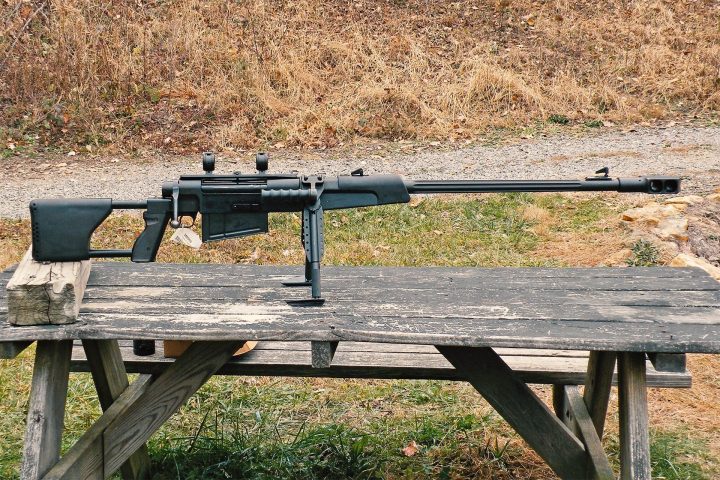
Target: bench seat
[(387, 361)]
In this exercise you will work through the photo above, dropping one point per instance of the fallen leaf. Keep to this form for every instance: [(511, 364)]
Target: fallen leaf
[(411, 449)]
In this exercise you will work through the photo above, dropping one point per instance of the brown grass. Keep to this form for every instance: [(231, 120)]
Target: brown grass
[(180, 75)]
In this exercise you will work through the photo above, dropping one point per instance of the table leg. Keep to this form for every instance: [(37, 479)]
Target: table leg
[(634, 424), (521, 408), (108, 372), (46, 410), (598, 382), (139, 411)]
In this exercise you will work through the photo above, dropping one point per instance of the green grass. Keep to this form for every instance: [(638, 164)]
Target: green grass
[(674, 455), (644, 254), (319, 428)]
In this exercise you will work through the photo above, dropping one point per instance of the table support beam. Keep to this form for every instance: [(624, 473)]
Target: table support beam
[(577, 418), (634, 425), (520, 407), (322, 353), (108, 372), (138, 413), (10, 350), (46, 410), (598, 383), (84, 460)]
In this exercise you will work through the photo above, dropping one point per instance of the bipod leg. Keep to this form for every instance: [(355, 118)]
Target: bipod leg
[(314, 249), (307, 282), (301, 283)]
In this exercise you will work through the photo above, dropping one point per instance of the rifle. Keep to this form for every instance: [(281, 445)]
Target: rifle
[(238, 205)]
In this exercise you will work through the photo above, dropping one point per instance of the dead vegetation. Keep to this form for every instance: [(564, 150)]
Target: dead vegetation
[(179, 75)]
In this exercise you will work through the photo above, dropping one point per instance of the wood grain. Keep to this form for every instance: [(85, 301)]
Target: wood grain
[(162, 398), (658, 310), (598, 381), (634, 424), (521, 408), (10, 350), (46, 293), (108, 372), (668, 362), (598, 464), (46, 409), (84, 460), (322, 354), (388, 361)]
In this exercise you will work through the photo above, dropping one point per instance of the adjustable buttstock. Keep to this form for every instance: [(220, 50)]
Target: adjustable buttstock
[(61, 229)]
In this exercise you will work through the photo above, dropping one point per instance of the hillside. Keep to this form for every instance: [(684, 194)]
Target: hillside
[(184, 75)]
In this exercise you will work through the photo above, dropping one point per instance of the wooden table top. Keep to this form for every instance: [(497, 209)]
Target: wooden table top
[(657, 309)]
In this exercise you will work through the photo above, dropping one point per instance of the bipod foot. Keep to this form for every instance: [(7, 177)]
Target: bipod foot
[(306, 302), (296, 283)]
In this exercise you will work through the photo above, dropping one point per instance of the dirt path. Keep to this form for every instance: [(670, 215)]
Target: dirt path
[(690, 151)]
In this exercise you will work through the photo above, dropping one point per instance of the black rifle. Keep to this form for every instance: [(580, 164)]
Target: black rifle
[(238, 205)]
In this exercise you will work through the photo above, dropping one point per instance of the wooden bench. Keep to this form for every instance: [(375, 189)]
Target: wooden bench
[(498, 329)]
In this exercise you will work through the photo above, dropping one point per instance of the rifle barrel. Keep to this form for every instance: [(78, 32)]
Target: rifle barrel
[(600, 184)]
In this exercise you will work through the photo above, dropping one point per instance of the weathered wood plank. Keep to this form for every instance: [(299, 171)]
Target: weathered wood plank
[(521, 408), (668, 362), (384, 365), (572, 335), (84, 460), (416, 278), (46, 409), (162, 398), (598, 381), (108, 372), (9, 350), (450, 314), (634, 424), (322, 354), (379, 271), (46, 293), (409, 307), (417, 349), (598, 464)]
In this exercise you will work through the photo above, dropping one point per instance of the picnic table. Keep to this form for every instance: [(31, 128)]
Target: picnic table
[(496, 328)]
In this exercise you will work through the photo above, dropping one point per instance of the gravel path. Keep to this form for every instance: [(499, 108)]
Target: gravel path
[(690, 151)]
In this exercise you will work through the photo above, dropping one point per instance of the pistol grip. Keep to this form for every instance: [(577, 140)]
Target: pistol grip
[(156, 219)]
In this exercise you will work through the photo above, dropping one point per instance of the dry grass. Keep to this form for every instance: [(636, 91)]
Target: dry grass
[(179, 75)]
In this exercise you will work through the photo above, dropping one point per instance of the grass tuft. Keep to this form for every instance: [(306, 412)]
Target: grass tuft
[(644, 254)]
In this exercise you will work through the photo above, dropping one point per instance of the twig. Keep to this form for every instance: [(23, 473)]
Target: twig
[(20, 33), (13, 12)]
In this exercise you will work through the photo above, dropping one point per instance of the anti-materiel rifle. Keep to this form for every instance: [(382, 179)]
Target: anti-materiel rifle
[(238, 205)]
